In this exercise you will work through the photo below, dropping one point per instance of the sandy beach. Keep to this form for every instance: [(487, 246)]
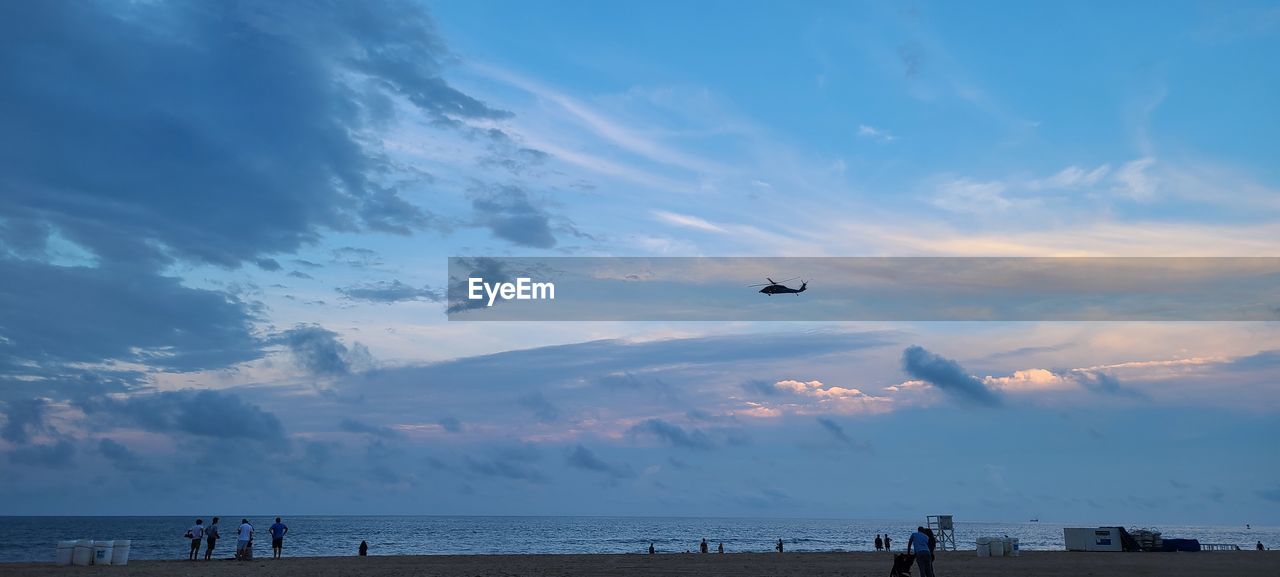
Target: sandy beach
[(710, 565)]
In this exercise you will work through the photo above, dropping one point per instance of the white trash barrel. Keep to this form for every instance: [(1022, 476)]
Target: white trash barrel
[(82, 554), (120, 552), (997, 547), (102, 552), (984, 546), (1014, 549), (65, 550)]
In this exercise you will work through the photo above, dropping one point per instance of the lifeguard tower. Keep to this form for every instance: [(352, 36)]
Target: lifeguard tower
[(944, 530)]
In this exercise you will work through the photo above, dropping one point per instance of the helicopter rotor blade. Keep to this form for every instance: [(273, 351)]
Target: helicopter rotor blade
[(773, 282)]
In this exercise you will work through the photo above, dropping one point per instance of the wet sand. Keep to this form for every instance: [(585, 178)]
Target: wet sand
[(955, 564)]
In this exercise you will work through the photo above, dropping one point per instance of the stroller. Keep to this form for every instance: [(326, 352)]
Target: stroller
[(902, 565)]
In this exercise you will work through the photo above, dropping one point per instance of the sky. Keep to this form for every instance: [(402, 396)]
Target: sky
[(224, 233)]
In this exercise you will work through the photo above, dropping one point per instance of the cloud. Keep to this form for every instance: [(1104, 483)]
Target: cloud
[(450, 425), (1029, 380), (814, 388), (392, 291), (205, 414), (541, 408), (129, 196), (616, 134), (1072, 177), (1094, 380), (1134, 179), (318, 351), (947, 375), (136, 173), (808, 397), (867, 131), (269, 264), (59, 318), (1269, 359), (969, 196), (761, 387), (835, 430), (1097, 381), (540, 368), (360, 427), (673, 435), (23, 417), (119, 455), (515, 159), (1026, 351), (515, 463), (1271, 494), (492, 270), (55, 456), (507, 212), (582, 458), (838, 433), (355, 257), (688, 221)]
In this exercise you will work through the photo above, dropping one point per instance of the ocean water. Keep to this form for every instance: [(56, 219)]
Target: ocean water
[(35, 538)]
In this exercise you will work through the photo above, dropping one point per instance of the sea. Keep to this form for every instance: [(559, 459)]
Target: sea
[(34, 539)]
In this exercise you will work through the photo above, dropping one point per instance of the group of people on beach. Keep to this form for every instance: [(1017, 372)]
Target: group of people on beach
[(244, 539), (921, 544), (886, 543), (705, 548)]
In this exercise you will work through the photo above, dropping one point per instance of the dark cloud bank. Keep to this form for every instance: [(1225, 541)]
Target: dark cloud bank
[(948, 376), (146, 135)]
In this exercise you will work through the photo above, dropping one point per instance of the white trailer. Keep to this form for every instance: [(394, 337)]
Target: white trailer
[(1093, 539)]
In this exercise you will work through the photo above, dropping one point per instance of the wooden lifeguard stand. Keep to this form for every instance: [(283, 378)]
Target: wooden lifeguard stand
[(944, 530)]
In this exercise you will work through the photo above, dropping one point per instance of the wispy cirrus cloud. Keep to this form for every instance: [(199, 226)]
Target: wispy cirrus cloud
[(688, 221), (392, 291), (873, 133), (602, 125)]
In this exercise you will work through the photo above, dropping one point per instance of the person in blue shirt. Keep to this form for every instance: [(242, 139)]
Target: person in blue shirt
[(277, 537), (919, 544)]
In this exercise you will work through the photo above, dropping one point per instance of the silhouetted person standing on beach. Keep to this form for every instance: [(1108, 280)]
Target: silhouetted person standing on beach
[(651, 549), (364, 548), (879, 543), (778, 546), (196, 534), (720, 549), (1260, 547), (278, 531), (919, 543), (703, 546), (211, 538), (887, 541)]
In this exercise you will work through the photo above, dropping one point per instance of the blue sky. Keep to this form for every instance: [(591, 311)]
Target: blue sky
[(224, 232)]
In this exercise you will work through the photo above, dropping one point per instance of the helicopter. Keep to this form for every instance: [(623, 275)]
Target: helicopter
[(776, 288)]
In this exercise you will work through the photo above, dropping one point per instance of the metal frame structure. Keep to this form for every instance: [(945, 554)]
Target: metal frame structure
[(944, 529)]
